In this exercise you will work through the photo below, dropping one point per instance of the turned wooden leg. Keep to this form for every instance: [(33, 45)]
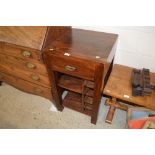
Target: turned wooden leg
[(113, 105)]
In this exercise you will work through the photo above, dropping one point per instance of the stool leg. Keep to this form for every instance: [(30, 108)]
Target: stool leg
[(111, 111), (110, 115), (113, 105)]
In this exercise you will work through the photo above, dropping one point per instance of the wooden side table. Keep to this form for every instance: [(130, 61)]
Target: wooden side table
[(80, 63), (119, 88)]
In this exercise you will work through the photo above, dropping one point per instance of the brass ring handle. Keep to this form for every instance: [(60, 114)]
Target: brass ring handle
[(30, 65), (70, 68), (26, 54), (35, 77)]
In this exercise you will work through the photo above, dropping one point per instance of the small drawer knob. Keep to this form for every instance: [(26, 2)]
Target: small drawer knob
[(26, 54), (70, 68), (35, 77), (30, 66)]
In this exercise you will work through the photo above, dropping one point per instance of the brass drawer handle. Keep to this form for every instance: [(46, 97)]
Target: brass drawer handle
[(37, 90), (35, 77), (70, 68), (30, 66), (26, 54)]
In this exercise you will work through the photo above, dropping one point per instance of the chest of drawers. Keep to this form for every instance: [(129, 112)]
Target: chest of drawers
[(80, 62), (21, 62)]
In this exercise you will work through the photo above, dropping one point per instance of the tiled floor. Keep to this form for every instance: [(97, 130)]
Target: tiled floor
[(23, 110)]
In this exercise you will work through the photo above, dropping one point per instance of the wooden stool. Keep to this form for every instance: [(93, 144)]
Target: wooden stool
[(119, 87)]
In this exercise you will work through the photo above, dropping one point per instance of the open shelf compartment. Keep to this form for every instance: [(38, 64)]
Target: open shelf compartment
[(80, 93), (71, 83)]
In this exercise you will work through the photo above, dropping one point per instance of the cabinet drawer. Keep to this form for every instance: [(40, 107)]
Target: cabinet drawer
[(25, 65), (20, 52), (26, 86), (73, 66), (25, 75)]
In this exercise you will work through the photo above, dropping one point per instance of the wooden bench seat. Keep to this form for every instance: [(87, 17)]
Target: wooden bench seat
[(119, 87)]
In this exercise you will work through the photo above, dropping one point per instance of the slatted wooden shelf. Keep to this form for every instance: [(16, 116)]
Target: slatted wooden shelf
[(74, 101), (90, 92), (88, 100), (90, 84)]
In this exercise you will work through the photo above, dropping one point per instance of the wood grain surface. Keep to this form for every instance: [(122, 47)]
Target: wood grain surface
[(27, 36), (119, 86)]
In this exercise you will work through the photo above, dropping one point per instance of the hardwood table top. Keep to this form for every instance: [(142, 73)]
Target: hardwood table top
[(90, 45), (119, 86)]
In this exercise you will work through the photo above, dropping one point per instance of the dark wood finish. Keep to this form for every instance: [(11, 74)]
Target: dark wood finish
[(90, 92), (85, 56), (18, 51), (54, 33), (90, 84), (98, 86), (60, 62), (28, 76), (71, 83), (26, 86), (119, 86), (56, 91), (27, 36), (31, 66), (74, 101), (86, 44), (21, 57)]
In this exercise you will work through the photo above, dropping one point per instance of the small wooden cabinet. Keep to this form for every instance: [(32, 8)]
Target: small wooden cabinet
[(80, 62)]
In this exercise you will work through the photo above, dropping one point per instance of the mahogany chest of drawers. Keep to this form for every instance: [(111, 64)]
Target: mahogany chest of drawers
[(80, 62), (21, 62)]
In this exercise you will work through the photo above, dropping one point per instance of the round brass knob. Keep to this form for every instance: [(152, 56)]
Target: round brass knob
[(35, 77), (30, 66), (26, 54)]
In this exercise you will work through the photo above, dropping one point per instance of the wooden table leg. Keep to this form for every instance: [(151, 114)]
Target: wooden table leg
[(0, 83), (113, 105)]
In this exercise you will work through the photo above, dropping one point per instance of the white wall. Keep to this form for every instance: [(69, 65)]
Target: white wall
[(136, 45)]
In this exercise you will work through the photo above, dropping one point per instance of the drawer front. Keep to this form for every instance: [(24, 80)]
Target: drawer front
[(25, 75), (73, 66), (25, 65), (21, 52), (26, 86)]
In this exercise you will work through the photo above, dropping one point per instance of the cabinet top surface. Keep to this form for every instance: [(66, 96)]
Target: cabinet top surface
[(27, 36), (85, 44)]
